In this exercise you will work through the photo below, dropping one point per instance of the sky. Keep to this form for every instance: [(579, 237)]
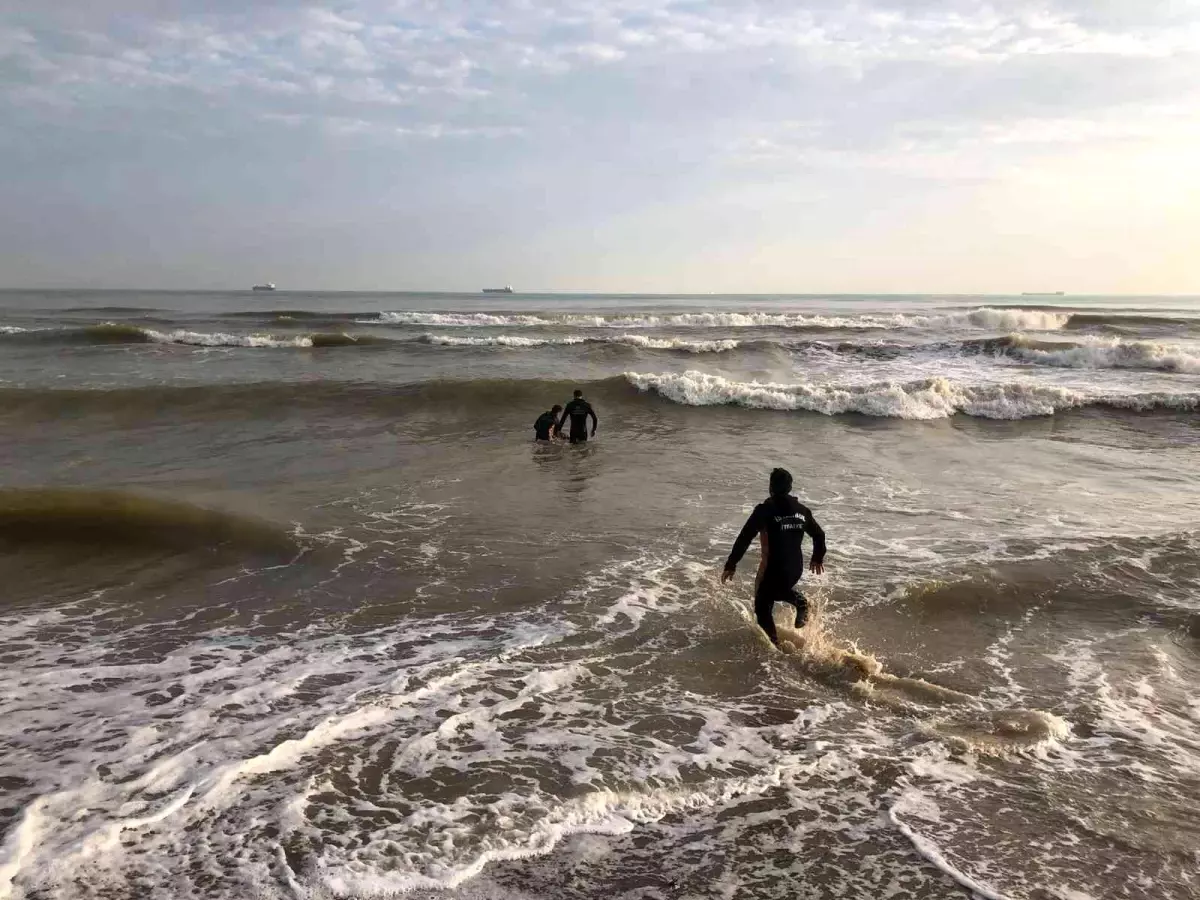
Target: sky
[(747, 146)]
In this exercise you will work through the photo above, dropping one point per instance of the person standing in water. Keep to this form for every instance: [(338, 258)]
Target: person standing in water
[(578, 411), (547, 424), (780, 521)]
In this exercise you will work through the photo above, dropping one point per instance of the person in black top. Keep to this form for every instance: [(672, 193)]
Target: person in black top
[(546, 424), (780, 521), (578, 411)]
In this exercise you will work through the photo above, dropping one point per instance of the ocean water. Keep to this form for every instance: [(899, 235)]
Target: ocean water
[(294, 607)]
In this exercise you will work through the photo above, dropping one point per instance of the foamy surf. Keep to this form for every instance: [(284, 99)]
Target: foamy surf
[(984, 318), (1001, 732), (638, 341), (932, 398), (820, 654), (1111, 353), (219, 339), (124, 333), (935, 857), (457, 320), (503, 340)]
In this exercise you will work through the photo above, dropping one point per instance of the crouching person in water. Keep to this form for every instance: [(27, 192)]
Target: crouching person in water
[(545, 426), (780, 521)]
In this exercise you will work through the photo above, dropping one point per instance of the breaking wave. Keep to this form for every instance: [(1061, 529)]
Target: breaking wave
[(220, 339), (647, 343), (1006, 319), (1100, 353), (931, 398), (982, 318), (630, 340), (502, 340), (121, 333), (1086, 353), (457, 320)]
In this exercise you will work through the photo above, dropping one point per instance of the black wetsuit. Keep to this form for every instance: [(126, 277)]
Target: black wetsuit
[(578, 411), (785, 520), (545, 424)]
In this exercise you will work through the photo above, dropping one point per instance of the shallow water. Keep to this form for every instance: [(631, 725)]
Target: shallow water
[(292, 616)]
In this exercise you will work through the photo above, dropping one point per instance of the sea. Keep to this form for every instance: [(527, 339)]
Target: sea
[(294, 606)]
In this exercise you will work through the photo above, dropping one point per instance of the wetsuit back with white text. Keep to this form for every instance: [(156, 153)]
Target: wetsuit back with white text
[(578, 410), (785, 521)]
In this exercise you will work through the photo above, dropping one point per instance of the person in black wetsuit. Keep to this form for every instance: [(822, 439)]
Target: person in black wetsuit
[(547, 424), (578, 411), (781, 521)]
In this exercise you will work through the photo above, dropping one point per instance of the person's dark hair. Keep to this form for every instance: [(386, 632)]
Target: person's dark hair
[(578, 394), (781, 482), (556, 408)]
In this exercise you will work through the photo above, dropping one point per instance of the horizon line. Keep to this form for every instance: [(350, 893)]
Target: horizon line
[(1031, 295)]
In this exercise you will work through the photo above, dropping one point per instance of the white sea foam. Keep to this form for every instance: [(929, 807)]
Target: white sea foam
[(984, 318), (932, 398), (326, 761), (931, 852), (456, 320), (221, 339), (19, 846), (287, 745), (648, 343), (1111, 353), (501, 340), (632, 340), (602, 812), (180, 336), (1006, 319), (753, 320), (1131, 711)]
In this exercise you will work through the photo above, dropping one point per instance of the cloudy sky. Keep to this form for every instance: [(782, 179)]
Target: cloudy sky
[(623, 145)]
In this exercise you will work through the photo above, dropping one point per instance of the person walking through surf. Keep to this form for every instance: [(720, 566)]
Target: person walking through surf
[(781, 521)]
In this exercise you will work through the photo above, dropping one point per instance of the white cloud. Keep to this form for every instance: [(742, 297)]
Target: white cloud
[(346, 126), (327, 19), (602, 53), (975, 150), (454, 42), (15, 41)]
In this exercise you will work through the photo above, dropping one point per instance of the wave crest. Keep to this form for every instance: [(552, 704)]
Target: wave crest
[(118, 518), (931, 398), (124, 333), (456, 320), (639, 341), (1110, 353), (1012, 319), (501, 340), (982, 318)]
